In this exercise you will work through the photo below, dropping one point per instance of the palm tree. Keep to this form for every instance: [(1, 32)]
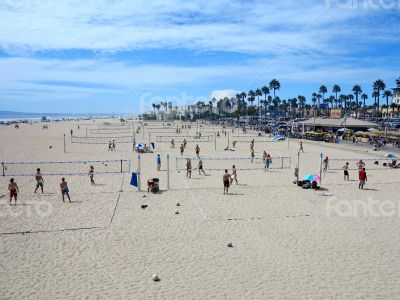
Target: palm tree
[(336, 89), (154, 107), (314, 99), (258, 94), (364, 97), (375, 96), (274, 85), (398, 82), (357, 90), (265, 91), (319, 96), (302, 101), (387, 94), (350, 98), (379, 86), (323, 90), (293, 105), (251, 97)]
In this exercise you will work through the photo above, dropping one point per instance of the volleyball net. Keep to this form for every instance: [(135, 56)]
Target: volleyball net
[(100, 140), (378, 163), (109, 131), (65, 168), (241, 163), (180, 138)]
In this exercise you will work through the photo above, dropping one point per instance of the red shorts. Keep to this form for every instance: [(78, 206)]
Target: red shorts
[(13, 193)]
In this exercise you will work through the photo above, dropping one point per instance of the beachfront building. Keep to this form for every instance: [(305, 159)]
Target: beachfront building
[(333, 124), (396, 96)]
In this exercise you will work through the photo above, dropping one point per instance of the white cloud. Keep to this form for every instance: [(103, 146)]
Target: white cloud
[(221, 94)]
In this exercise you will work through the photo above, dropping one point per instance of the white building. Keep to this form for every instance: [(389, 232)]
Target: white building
[(396, 96)]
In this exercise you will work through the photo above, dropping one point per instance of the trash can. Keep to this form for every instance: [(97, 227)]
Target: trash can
[(156, 185)]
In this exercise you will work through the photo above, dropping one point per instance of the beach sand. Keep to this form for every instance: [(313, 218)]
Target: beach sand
[(287, 242)]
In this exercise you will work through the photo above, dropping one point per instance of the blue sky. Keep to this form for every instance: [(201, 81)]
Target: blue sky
[(121, 56)]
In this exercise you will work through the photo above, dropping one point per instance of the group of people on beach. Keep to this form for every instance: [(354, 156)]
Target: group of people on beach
[(14, 189)]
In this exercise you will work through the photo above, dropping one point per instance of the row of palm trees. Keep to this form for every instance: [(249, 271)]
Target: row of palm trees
[(320, 102)]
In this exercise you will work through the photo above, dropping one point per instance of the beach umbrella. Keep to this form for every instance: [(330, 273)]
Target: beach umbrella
[(390, 155), (139, 146), (372, 130), (344, 129), (312, 177)]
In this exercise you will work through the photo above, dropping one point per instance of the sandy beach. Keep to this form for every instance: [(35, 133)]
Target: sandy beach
[(288, 242)]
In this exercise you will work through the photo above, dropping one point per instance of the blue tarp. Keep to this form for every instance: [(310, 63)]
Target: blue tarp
[(134, 180)]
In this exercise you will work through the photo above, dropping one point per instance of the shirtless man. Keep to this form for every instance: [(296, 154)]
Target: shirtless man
[(234, 174), (346, 171), (360, 165), (13, 188), (200, 167), (198, 151), (64, 189), (226, 178), (172, 143), (184, 143), (182, 148), (39, 180), (189, 168), (91, 175)]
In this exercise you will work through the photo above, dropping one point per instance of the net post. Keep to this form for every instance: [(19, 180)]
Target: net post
[(282, 163), (64, 145), (2, 165), (167, 172), (121, 166), (215, 143), (86, 132), (138, 173)]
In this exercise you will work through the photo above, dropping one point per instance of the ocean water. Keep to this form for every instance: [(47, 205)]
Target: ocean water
[(6, 116)]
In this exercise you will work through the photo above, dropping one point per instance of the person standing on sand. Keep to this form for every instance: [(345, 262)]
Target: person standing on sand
[(113, 145), (184, 143), (267, 162), (109, 146), (325, 164), (39, 180), (91, 175), (14, 190), (362, 175), (226, 178), (188, 168), (64, 189), (197, 151), (158, 160), (346, 171), (72, 132), (172, 143), (200, 167), (234, 174), (301, 147), (182, 148), (360, 165)]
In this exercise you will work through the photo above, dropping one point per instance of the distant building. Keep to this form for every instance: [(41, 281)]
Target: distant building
[(396, 96)]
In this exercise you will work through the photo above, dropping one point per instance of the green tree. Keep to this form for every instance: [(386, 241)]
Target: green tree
[(357, 91), (379, 86), (336, 89), (274, 85), (387, 94), (364, 97)]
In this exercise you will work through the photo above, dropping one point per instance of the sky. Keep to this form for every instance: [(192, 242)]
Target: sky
[(120, 56)]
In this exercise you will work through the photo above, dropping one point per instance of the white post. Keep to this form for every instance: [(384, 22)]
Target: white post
[(86, 132), (215, 143), (167, 172), (65, 150), (138, 173)]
